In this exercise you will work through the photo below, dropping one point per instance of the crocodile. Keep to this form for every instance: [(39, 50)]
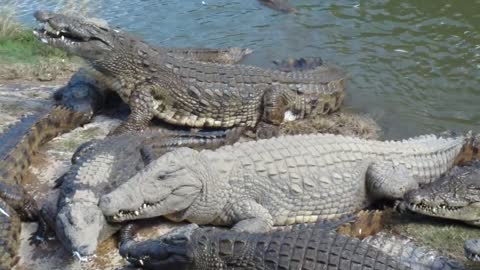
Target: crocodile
[(279, 181), (191, 247), (185, 92), (454, 196), (410, 253), (279, 5), (19, 144), (98, 166)]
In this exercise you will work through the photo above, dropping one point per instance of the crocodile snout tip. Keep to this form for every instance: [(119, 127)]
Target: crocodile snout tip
[(43, 15)]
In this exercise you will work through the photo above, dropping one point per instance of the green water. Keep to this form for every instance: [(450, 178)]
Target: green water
[(414, 65)]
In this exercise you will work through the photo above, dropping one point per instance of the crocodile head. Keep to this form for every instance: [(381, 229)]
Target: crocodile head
[(171, 251), (166, 187), (80, 228), (472, 249), (86, 38), (453, 196)]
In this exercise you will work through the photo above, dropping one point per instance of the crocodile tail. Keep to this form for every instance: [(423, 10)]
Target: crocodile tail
[(470, 150), (58, 121)]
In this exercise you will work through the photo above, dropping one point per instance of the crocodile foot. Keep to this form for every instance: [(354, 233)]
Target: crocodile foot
[(266, 131)]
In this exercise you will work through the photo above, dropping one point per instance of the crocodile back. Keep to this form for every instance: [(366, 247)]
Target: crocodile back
[(299, 249), (291, 175)]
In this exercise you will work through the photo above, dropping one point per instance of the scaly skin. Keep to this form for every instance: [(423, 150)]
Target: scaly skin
[(280, 181), (100, 166), (454, 196), (19, 143), (193, 248), (190, 93), (409, 253), (9, 236)]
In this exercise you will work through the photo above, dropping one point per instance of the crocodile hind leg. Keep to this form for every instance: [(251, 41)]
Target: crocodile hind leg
[(386, 181), (274, 108), (251, 217), (141, 107)]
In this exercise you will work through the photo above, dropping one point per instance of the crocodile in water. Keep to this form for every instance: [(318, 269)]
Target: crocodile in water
[(280, 5), (454, 196), (184, 92), (280, 181)]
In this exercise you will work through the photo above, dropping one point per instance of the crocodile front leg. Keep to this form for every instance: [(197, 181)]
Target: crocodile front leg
[(251, 217), (141, 104)]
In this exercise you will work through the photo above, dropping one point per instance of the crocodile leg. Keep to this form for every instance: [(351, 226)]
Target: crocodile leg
[(273, 114), (251, 217), (141, 106), (385, 181)]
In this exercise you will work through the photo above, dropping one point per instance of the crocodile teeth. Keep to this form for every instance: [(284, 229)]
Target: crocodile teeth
[(136, 213), (140, 262), (144, 205), (62, 38)]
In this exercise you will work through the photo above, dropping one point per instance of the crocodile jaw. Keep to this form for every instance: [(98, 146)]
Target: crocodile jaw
[(466, 212), (74, 35), (472, 250)]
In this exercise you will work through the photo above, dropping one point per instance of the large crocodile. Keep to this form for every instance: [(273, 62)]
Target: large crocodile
[(191, 247), (97, 168), (280, 181), (454, 196), (19, 143), (185, 92)]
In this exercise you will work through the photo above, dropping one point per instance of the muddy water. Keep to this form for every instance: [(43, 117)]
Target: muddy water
[(415, 65)]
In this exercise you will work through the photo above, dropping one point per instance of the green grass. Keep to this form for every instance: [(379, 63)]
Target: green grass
[(19, 45), (23, 47)]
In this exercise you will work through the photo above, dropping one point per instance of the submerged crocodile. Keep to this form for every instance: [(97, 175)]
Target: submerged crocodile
[(454, 196), (191, 247), (98, 167), (280, 5), (280, 181), (184, 92)]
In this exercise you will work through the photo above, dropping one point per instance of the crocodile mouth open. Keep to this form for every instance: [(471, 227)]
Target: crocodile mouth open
[(472, 256), (440, 210), (140, 212), (59, 35)]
